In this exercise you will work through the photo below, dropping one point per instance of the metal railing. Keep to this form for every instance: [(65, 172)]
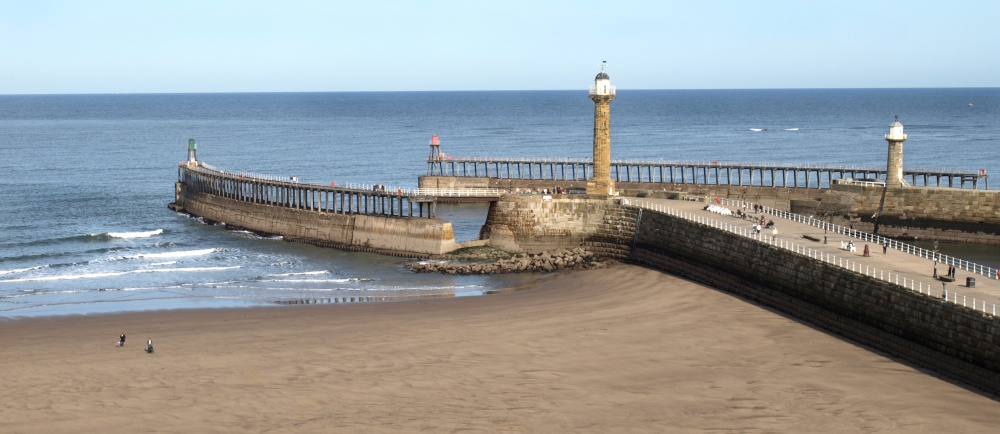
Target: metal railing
[(850, 181), (701, 163), (457, 192), (429, 192), (377, 188), (972, 267), (847, 263)]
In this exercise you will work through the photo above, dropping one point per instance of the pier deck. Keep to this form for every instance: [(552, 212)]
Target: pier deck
[(914, 270)]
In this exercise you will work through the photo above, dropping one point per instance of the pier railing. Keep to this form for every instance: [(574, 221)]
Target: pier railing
[(695, 172), (434, 192), (920, 252), (292, 193), (876, 184), (921, 287)]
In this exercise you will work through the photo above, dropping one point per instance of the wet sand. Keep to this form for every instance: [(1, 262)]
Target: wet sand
[(615, 350)]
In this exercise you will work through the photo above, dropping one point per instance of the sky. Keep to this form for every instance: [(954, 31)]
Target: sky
[(96, 46)]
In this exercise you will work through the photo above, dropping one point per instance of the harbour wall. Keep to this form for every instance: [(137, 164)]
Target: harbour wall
[(942, 213), (390, 235), (951, 214), (775, 197), (954, 341), (534, 223)]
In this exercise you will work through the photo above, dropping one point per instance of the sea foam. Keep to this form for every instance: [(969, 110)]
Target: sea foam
[(114, 274), (178, 254), (130, 235)]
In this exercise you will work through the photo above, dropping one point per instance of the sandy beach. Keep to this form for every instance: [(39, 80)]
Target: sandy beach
[(624, 349)]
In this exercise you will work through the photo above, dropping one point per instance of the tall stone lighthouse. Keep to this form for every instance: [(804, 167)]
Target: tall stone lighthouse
[(602, 92), (894, 165)]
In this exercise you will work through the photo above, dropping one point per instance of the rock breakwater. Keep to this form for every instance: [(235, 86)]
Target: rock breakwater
[(575, 259)]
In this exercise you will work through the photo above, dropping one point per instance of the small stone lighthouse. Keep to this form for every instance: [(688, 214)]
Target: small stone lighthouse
[(894, 165), (602, 92)]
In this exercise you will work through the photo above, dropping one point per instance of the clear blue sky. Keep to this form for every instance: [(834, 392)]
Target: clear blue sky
[(372, 45)]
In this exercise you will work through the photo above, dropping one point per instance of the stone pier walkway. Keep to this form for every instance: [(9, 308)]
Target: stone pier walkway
[(896, 262)]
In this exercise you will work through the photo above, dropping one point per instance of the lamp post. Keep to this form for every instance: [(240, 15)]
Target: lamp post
[(935, 257), (827, 225)]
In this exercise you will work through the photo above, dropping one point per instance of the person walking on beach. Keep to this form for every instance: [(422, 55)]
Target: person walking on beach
[(149, 346), (121, 340)]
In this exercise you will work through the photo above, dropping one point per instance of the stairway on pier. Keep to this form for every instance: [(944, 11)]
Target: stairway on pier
[(614, 236)]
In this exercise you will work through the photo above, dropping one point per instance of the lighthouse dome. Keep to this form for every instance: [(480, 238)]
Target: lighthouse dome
[(602, 76)]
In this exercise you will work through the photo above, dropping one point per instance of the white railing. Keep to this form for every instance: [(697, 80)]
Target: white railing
[(432, 192), (501, 160), (378, 188), (972, 267), (850, 181), (250, 176), (246, 175), (597, 90), (846, 263), (457, 192)]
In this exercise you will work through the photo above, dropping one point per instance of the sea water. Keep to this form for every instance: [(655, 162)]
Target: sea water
[(84, 226)]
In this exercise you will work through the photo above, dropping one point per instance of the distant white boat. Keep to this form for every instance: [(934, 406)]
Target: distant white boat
[(757, 129), (791, 129)]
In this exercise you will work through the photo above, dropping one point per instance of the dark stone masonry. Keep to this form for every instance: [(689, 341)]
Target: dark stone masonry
[(954, 341), (575, 259)]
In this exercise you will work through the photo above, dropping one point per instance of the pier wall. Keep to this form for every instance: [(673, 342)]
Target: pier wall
[(776, 197), (397, 236), (954, 341), (957, 342), (919, 213), (946, 214), (920, 204), (531, 223)]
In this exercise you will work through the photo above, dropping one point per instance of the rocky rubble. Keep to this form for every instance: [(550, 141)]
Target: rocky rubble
[(575, 259)]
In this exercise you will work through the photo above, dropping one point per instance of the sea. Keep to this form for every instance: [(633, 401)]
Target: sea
[(86, 179)]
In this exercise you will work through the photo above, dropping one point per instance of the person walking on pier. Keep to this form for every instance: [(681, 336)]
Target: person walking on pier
[(866, 250), (885, 246)]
